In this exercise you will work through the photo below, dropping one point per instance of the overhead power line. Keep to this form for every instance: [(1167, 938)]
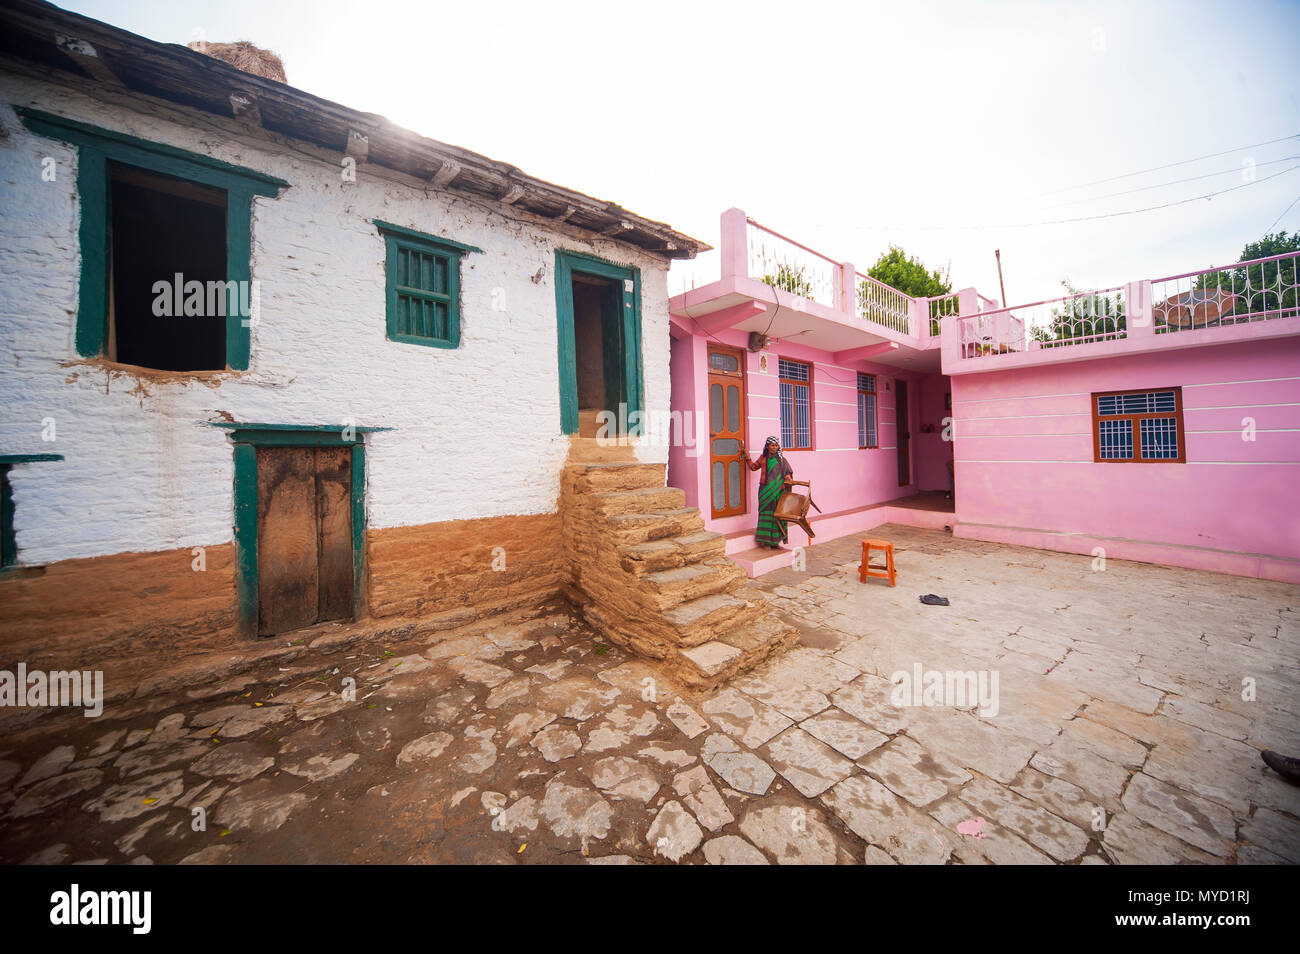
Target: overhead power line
[(1168, 165)]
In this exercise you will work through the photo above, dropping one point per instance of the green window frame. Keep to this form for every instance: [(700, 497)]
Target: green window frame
[(96, 148), (566, 263), (8, 539), (422, 286)]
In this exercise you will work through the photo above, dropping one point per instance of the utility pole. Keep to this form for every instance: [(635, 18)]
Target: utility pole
[(997, 253)]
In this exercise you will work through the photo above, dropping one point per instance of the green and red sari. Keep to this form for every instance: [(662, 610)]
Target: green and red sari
[(770, 532)]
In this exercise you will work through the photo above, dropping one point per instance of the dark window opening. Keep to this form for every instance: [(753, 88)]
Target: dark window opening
[(168, 296), (598, 347), (8, 548)]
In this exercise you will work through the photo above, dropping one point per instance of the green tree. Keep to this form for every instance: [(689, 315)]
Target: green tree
[(909, 275), (793, 280), (1268, 287), (1082, 318)]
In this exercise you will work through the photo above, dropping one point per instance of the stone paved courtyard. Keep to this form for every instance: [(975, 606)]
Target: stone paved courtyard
[(1121, 736)]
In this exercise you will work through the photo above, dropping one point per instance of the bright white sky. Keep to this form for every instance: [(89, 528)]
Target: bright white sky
[(847, 126)]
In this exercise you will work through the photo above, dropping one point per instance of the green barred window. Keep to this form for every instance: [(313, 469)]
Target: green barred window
[(423, 287)]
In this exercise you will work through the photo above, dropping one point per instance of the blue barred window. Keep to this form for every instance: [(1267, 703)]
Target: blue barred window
[(796, 404), (867, 410)]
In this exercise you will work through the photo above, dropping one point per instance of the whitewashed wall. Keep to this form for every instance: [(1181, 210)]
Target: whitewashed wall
[(476, 430)]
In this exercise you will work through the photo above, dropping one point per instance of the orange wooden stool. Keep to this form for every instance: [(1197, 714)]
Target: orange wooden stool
[(867, 566)]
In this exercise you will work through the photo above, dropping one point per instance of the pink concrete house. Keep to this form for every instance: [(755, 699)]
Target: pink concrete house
[(1098, 423)]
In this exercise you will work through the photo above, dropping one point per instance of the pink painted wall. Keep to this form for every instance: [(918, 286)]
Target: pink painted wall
[(843, 476), (1025, 470), (930, 450)]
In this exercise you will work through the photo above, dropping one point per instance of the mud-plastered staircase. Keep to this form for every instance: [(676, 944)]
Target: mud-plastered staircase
[(649, 577)]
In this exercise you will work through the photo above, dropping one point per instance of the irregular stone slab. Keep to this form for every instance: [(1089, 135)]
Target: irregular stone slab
[(525, 725), (557, 743), (169, 727), (320, 767), (1111, 744), (711, 658), (989, 842), (613, 860), (553, 670), (1130, 842), (237, 761), (699, 795), (732, 850), (638, 679), (322, 707), (867, 700), (795, 702), (136, 797), (297, 697), (743, 771), (807, 764), (521, 816), (793, 835), (211, 855), (508, 692), (53, 855), (674, 758), (624, 778), (687, 720), (510, 640), (747, 720), (448, 708), (573, 812), (908, 769), (1103, 781), (1204, 824), (577, 697), (674, 834), (1274, 831), (479, 756), (158, 755), (1034, 824), (876, 856), (103, 745), (127, 843), (1210, 718), (1064, 798), (51, 791), (843, 733), (480, 671), (965, 739), (256, 808), (619, 728), (254, 720), (48, 765), (877, 815)]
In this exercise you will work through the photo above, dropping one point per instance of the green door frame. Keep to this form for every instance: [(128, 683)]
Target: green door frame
[(247, 438), (629, 277)]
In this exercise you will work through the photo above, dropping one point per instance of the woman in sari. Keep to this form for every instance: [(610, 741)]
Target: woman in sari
[(776, 471)]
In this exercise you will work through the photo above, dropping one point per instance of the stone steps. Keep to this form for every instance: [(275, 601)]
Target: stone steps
[(650, 577)]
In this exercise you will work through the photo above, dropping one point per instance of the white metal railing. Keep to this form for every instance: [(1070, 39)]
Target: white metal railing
[(945, 306), (786, 264), (1081, 318), (1254, 290), (883, 305)]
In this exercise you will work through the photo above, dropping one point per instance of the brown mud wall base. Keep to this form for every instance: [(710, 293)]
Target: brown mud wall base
[(437, 567), (79, 612)]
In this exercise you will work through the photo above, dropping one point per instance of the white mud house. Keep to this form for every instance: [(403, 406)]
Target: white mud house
[(270, 361)]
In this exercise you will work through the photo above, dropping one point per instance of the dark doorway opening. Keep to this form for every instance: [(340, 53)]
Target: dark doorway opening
[(598, 348), (169, 231), (902, 418)]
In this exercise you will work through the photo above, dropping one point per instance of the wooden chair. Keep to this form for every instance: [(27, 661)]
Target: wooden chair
[(864, 570)]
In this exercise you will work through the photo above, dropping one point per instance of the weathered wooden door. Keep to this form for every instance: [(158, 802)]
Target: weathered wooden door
[(726, 432), (304, 537), (903, 432)]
